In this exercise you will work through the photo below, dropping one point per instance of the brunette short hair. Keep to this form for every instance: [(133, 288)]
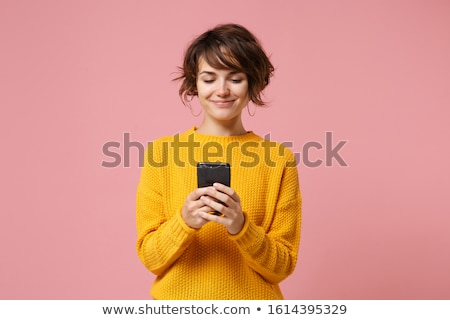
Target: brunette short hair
[(227, 46)]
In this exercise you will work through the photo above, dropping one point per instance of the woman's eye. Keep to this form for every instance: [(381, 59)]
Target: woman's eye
[(236, 80), (208, 80)]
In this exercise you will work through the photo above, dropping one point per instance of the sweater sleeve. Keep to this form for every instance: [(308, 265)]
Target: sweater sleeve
[(273, 252), (161, 240)]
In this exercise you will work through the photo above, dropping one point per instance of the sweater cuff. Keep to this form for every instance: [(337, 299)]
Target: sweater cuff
[(249, 236), (180, 230)]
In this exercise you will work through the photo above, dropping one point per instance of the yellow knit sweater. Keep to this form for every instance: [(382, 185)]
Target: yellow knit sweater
[(209, 263)]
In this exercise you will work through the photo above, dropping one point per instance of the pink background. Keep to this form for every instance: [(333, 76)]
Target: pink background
[(75, 75)]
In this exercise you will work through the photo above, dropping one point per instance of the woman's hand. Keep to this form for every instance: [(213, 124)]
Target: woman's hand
[(192, 208), (230, 208)]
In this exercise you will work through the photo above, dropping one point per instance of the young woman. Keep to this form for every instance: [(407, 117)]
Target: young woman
[(251, 244)]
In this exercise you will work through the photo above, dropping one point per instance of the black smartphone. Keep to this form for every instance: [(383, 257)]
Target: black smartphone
[(210, 172)]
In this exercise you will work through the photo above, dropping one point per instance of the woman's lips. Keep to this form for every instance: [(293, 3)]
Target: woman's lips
[(223, 103)]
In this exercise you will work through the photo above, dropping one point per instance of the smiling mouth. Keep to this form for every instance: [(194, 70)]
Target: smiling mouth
[(223, 103)]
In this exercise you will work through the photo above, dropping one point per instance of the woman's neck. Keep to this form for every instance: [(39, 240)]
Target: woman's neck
[(216, 128)]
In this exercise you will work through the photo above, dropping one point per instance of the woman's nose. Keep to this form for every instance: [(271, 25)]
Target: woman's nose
[(223, 89)]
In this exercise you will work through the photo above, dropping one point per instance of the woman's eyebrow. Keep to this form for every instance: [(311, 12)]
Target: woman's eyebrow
[(213, 73), (207, 72)]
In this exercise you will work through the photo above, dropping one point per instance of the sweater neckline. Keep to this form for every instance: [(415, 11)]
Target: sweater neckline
[(249, 135)]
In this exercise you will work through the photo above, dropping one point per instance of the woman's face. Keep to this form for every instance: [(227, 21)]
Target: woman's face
[(223, 93)]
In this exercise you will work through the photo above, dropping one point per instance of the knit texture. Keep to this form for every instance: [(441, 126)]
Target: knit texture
[(209, 263)]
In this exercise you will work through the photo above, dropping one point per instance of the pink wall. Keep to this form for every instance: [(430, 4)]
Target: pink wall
[(76, 75)]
